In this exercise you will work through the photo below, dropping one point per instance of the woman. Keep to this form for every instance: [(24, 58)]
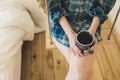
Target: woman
[(67, 17), (19, 20)]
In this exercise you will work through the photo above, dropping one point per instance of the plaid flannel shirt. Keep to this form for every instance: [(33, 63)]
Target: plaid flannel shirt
[(79, 14)]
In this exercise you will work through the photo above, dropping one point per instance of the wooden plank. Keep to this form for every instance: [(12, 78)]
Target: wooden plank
[(66, 66), (26, 61), (103, 59), (48, 65), (117, 37), (59, 63), (105, 66), (97, 74), (104, 34), (38, 51), (105, 25), (113, 53)]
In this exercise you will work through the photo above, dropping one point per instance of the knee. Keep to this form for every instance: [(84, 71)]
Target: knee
[(80, 72), (77, 76), (81, 76)]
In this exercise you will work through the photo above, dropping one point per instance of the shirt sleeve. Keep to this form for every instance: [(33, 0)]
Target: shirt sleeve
[(100, 8), (56, 11)]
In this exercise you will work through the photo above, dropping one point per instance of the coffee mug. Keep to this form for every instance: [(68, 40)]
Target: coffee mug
[(85, 41)]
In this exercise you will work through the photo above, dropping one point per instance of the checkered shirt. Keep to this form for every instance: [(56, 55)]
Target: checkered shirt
[(79, 14)]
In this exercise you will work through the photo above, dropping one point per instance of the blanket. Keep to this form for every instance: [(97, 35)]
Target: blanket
[(19, 20)]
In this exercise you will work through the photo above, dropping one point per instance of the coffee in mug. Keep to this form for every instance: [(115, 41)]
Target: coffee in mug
[(85, 41)]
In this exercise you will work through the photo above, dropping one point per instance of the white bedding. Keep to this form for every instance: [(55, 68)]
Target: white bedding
[(19, 20), (10, 53)]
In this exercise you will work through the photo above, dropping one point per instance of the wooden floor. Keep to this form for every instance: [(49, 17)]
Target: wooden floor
[(48, 64)]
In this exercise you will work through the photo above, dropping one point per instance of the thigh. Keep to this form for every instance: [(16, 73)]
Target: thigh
[(81, 64), (65, 51), (76, 63)]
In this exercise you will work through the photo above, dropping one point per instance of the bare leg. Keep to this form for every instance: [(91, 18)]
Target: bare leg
[(79, 67), (91, 76)]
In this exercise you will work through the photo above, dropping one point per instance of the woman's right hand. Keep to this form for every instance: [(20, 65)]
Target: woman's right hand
[(71, 36), (73, 47)]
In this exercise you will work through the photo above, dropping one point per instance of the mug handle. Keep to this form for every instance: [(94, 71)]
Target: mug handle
[(90, 51)]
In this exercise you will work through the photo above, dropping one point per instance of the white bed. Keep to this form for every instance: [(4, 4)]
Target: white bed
[(19, 20)]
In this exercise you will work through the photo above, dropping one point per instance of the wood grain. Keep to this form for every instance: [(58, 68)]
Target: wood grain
[(39, 49), (32, 58), (48, 65), (26, 61), (60, 66)]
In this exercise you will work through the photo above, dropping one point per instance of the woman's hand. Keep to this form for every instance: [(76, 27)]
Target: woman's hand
[(92, 30), (71, 36), (86, 52), (73, 47)]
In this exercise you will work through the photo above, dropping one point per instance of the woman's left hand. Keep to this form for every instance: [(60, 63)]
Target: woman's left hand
[(86, 52)]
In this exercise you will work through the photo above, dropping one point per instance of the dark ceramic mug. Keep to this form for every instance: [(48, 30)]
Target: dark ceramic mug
[(85, 41)]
